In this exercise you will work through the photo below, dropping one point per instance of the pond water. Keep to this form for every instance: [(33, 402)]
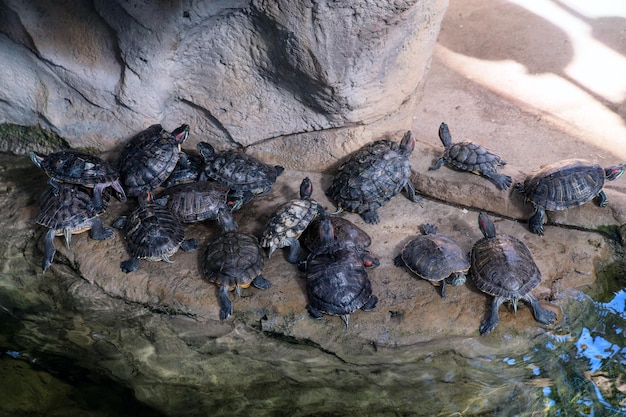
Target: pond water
[(578, 369)]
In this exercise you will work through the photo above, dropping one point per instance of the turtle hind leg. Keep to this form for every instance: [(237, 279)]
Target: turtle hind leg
[(370, 216), (130, 265), (261, 283), (398, 261), (492, 319), (410, 191), (503, 182), (49, 250), (98, 231), (226, 309), (370, 304), (437, 165), (314, 312), (541, 314), (189, 245)]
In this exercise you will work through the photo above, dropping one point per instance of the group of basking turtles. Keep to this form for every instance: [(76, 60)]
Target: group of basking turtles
[(173, 187)]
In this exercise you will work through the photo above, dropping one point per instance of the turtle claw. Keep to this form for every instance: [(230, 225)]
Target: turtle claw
[(370, 217), (130, 265)]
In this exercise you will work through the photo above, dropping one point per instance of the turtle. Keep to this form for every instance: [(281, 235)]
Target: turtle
[(233, 260), (188, 169), (502, 266), (152, 233), (287, 223), (197, 201), (372, 176), (80, 168), (245, 175), (345, 232), (471, 157), (65, 210), (565, 184), (436, 258), (336, 278), (149, 158)]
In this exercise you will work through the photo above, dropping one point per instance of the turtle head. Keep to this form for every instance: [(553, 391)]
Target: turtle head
[(226, 220), (369, 260), (306, 188), (180, 133), (444, 135), (611, 173), (326, 231), (408, 143), (37, 158), (206, 150), (486, 226)]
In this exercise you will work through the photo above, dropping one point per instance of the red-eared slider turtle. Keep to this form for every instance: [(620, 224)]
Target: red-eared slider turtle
[(436, 258), (80, 168), (152, 233), (68, 210), (188, 169), (287, 223), (471, 157), (345, 233), (233, 260), (149, 158), (197, 201), (336, 278), (372, 176), (245, 175), (503, 266), (565, 184)]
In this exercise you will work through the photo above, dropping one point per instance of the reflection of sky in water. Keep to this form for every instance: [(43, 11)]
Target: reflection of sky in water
[(596, 349)]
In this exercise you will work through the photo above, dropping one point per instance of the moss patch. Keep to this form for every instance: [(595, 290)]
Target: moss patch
[(20, 140)]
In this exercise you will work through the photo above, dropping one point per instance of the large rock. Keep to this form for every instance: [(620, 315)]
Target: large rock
[(157, 330), (269, 75)]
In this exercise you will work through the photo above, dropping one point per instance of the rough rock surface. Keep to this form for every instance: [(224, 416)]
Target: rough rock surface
[(158, 331), (260, 74)]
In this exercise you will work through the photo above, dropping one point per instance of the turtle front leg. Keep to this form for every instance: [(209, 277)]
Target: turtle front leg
[(503, 182), (493, 319), (226, 309), (410, 190), (535, 223), (541, 314), (49, 250), (601, 199), (55, 186), (438, 164), (98, 204)]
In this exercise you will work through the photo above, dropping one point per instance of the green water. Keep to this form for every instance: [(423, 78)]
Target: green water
[(578, 369)]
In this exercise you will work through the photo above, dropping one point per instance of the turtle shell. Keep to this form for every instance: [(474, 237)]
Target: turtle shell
[(240, 172), (344, 231), (289, 221), (152, 231), (70, 209), (197, 201), (434, 257), (186, 172), (470, 156), (503, 266), (233, 259), (337, 282), (371, 177), (149, 158), (564, 184), (75, 167)]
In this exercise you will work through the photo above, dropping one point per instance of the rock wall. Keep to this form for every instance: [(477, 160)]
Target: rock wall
[(280, 77)]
